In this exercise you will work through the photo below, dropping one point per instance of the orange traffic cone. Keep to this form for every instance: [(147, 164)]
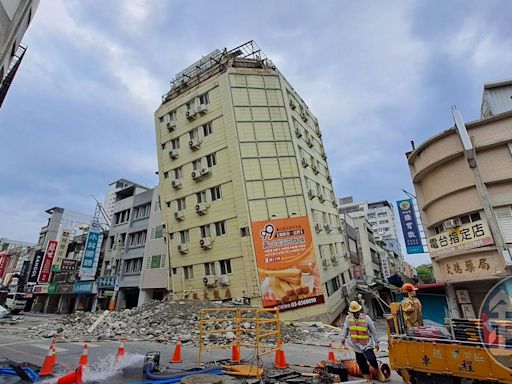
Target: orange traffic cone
[(120, 351), (331, 357), (176, 357), (84, 358), (49, 362), (74, 377), (280, 360), (235, 354)]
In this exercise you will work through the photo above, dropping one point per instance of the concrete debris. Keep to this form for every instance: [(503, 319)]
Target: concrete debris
[(166, 322)]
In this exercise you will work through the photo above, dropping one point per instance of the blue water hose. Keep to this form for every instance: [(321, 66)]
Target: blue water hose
[(176, 377), (8, 371)]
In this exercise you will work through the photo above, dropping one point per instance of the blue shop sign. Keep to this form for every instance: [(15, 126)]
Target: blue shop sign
[(83, 287)]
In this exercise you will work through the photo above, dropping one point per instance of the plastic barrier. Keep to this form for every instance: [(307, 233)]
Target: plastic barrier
[(8, 371)]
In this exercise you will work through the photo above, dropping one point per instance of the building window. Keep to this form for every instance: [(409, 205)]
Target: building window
[(184, 236), (332, 285), (181, 204), (175, 143), (209, 269), (133, 265), (188, 272), (137, 239), (121, 217), (225, 267), (216, 193), (220, 228), (204, 99), (111, 242), (166, 175), (155, 262), (201, 197), (141, 211), (207, 129), (174, 271), (205, 230), (197, 164), (211, 159), (157, 232), (177, 173), (383, 221), (194, 134), (244, 231)]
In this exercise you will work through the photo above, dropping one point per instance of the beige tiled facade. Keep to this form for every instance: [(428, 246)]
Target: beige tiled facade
[(264, 156), (446, 189)]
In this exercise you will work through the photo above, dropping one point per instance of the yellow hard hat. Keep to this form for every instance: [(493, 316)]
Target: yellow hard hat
[(354, 307)]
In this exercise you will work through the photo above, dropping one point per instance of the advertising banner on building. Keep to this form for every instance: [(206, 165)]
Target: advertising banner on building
[(409, 226), (384, 265), (4, 258), (287, 264), (472, 235), (36, 267), (68, 265), (83, 287), (61, 251), (91, 252), (46, 269)]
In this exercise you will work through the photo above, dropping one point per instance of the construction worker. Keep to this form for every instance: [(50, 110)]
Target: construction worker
[(411, 307), (362, 337)]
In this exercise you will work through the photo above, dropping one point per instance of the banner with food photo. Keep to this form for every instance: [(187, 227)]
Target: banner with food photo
[(287, 264)]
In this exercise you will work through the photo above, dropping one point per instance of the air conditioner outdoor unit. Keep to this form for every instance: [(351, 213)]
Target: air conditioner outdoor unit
[(321, 197), (195, 143), (452, 223), (191, 114), (334, 260), (329, 179), (206, 242), (318, 228), (210, 281), (171, 126), (315, 169), (340, 228), (183, 248), (327, 228), (173, 153), (304, 162), (334, 204), (324, 155), (196, 175), (205, 171), (292, 104), (318, 132), (298, 132), (311, 194), (325, 263), (201, 208), (304, 117), (179, 215), (202, 108), (309, 142), (176, 183), (223, 280)]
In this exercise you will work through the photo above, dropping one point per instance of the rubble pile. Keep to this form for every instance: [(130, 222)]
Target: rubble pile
[(166, 322)]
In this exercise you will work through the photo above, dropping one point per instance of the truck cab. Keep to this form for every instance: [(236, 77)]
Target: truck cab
[(15, 302)]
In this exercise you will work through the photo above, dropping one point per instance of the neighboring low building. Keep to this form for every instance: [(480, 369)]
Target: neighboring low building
[(464, 193)]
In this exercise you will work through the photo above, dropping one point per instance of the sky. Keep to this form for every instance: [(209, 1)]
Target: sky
[(376, 74)]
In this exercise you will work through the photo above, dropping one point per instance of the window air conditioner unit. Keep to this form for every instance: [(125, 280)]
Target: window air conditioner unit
[(191, 114), (452, 223), (327, 228), (201, 208), (292, 104), (179, 215), (210, 281), (176, 183), (298, 132), (196, 175), (195, 143), (318, 228), (173, 153), (206, 242), (183, 248), (171, 126), (311, 194), (304, 162), (321, 197), (223, 280), (202, 109)]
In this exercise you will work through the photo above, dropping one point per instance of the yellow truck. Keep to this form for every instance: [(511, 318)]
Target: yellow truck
[(422, 360)]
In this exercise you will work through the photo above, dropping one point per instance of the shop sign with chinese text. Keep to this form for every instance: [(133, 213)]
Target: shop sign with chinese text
[(462, 267), (409, 226), (467, 236), (91, 252), (46, 269)]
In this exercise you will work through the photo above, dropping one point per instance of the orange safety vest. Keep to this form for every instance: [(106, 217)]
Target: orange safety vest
[(358, 329)]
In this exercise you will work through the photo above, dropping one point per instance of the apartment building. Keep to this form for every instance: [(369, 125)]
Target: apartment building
[(243, 177), (15, 17), (380, 214), (110, 197), (462, 178)]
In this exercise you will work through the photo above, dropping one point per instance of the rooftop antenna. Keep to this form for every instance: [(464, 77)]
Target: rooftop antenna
[(102, 211)]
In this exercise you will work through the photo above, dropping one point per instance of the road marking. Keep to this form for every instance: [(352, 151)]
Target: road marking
[(17, 342), (88, 345), (44, 346)]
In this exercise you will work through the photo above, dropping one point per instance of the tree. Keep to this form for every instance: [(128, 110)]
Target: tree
[(425, 273)]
